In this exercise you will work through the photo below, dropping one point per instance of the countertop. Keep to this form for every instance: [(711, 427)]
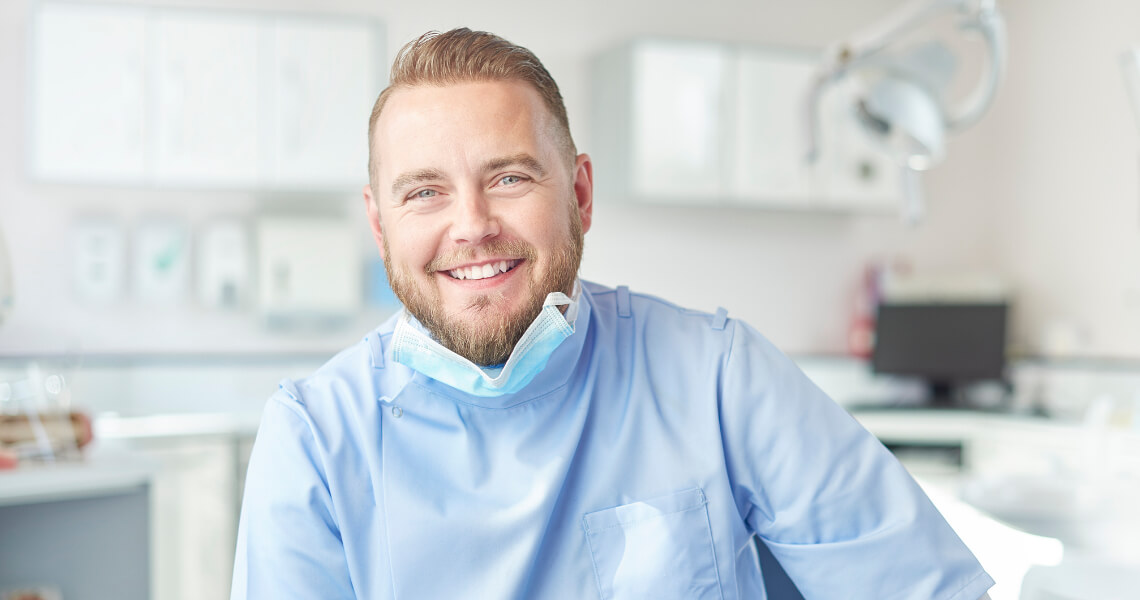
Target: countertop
[(176, 425), (96, 475)]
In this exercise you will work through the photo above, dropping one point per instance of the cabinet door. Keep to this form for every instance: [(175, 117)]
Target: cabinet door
[(194, 517), (770, 136), (678, 113), (771, 140), (325, 76), (702, 123), (88, 117), (205, 82)]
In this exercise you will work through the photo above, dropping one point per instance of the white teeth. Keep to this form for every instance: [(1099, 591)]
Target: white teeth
[(483, 272)]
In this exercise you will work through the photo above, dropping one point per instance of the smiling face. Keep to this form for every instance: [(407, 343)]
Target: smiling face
[(478, 212)]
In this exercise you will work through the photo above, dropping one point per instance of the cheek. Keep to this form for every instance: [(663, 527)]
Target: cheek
[(410, 247), (555, 232), (416, 256), (545, 227)]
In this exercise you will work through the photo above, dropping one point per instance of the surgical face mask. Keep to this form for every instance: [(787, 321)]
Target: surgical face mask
[(414, 348)]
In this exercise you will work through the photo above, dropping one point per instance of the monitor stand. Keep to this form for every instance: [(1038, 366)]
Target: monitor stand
[(941, 396)]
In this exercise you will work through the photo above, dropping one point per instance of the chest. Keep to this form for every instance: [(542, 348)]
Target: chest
[(501, 496)]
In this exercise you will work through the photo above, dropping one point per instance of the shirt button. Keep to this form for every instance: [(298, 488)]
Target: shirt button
[(397, 412)]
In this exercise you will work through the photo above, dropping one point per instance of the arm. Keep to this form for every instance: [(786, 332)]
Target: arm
[(835, 508), (289, 543)]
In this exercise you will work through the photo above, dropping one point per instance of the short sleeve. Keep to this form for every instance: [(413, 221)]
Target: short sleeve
[(289, 543), (836, 509)]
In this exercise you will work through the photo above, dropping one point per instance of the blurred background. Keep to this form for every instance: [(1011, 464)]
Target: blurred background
[(182, 225)]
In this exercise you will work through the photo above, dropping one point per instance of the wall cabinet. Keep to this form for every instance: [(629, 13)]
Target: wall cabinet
[(88, 88), (195, 98), (205, 81), (677, 93), (705, 123), (325, 74)]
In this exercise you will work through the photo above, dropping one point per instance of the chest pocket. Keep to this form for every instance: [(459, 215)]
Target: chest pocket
[(657, 548)]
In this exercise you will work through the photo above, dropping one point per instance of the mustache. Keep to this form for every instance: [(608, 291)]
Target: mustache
[(491, 249)]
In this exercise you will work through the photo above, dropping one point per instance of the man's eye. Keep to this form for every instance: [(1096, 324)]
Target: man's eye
[(510, 180), (423, 194)]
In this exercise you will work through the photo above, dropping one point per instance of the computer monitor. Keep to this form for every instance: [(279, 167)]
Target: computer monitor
[(945, 344)]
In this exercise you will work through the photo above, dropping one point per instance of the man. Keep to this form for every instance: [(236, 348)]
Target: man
[(516, 433)]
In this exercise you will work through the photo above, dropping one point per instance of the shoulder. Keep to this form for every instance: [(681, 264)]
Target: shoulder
[(664, 330), (347, 383), (647, 309), (663, 326)]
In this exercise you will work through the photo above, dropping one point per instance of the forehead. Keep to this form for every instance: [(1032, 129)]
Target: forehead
[(429, 123)]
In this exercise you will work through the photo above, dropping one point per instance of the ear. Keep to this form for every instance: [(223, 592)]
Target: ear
[(584, 189), (374, 220)]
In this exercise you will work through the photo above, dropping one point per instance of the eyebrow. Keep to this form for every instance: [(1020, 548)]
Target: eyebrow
[(522, 159), (413, 177)]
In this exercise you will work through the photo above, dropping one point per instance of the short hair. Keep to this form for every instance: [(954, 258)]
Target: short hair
[(465, 56)]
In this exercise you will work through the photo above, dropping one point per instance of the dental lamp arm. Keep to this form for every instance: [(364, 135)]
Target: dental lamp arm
[(863, 47), (877, 37), (989, 23)]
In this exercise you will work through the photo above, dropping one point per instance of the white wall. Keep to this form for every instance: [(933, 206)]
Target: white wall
[(1061, 154), (1043, 190)]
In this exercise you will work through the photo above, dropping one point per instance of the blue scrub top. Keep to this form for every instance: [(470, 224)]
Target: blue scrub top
[(637, 464)]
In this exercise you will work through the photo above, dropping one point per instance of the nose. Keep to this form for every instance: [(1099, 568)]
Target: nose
[(473, 221)]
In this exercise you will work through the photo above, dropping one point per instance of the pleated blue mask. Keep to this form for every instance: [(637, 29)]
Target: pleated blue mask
[(414, 348)]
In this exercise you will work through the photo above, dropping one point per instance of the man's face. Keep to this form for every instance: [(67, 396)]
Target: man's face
[(477, 212)]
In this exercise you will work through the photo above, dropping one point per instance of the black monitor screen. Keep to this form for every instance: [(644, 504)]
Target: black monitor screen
[(950, 343)]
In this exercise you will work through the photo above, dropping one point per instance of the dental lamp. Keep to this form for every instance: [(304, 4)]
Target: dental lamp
[(901, 99)]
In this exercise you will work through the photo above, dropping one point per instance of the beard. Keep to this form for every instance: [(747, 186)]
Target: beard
[(484, 332)]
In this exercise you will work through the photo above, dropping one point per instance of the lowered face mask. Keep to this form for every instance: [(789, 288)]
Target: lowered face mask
[(414, 348)]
